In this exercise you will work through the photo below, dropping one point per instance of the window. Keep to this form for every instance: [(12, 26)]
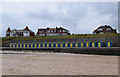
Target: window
[(57, 34), (108, 29), (7, 32), (60, 31), (41, 31), (64, 30), (42, 34), (67, 31), (100, 29), (49, 31), (25, 32), (64, 34)]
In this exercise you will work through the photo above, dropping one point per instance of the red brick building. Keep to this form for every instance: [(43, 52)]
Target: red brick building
[(104, 29), (52, 32), (19, 33)]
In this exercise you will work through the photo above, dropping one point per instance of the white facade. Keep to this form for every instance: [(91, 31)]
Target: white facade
[(26, 33), (42, 34), (13, 34), (51, 34)]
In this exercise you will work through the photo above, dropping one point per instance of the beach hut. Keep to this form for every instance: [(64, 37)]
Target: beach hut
[(22, 45), (37, 45), (30, 45), (45, 44), (54, 44), (58, 44), (109, 44), (81, 44), (71, 44), (84, 44), (33, 45), (27, 45), (41, 45), (99, 44), (14, 45), (63, 44), (76, 44), (68, 44), (87, 44), (50, 44), (11, 45), (93, 44), (18, 45)]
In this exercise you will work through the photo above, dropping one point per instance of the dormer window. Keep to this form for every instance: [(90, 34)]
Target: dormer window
[(108, 29), (41, 31), (64, 31), (25, 32), (100, 29), (59, 31)]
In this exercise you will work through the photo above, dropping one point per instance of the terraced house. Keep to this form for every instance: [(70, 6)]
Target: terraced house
[(52, 32), (19, 33)]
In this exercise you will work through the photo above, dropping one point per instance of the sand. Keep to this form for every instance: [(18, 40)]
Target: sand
[(58, 64)]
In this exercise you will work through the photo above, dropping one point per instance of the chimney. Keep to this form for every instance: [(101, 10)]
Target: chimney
[(47, 27), (105, 25)]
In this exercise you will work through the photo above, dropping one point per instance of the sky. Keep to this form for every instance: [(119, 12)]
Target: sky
[(77, 17)]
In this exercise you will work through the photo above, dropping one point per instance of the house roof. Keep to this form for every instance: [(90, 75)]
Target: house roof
[(106, 26), (45, 29), (26, 29), (57, 29), (8, 30)]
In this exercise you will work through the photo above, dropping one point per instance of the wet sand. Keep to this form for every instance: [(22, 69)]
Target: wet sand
[(58, 64)]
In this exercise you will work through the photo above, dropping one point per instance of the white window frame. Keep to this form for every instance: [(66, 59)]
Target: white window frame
[(108, 29), (100, 29)]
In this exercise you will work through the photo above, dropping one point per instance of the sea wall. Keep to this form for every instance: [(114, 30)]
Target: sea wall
[(83, 50), (115, 40)]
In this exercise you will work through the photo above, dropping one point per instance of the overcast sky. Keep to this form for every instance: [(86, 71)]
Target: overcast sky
[(86, 15)]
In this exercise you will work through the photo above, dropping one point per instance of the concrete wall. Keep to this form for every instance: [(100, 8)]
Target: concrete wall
[(115, 40), (84, 50)]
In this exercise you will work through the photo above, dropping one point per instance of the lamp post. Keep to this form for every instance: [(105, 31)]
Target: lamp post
[(74, 28)]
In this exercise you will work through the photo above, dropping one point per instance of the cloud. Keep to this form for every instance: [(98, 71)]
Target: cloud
[(86, 15)]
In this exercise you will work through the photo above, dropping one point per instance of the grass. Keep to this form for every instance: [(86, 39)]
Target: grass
[(5, 39)]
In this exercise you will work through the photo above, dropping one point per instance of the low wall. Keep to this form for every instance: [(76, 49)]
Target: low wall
[(89, 50)]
